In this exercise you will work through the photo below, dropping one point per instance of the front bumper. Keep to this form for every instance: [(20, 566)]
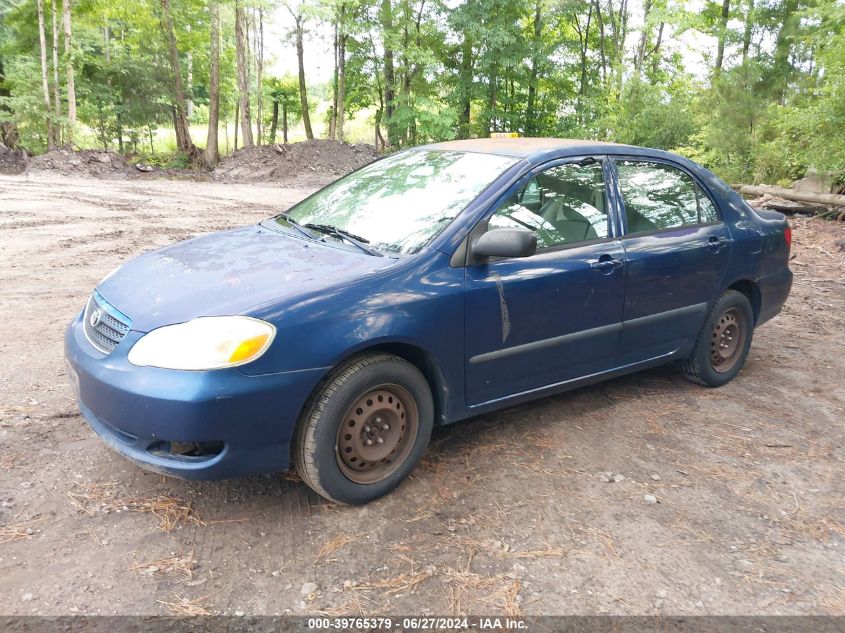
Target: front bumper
[(137, 410)]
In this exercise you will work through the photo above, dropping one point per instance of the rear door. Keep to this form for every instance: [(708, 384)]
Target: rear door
[(555, 316), (678, 249)]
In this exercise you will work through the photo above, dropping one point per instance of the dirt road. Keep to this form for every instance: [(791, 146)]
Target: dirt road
[(509, 512)]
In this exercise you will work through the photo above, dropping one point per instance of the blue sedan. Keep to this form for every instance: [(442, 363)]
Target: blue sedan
[(432, 285)]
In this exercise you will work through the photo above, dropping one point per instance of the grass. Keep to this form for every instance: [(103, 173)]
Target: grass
[(180, 605), (17, 531), (171, 565), (169, 511), (359, 129), (333, 545)]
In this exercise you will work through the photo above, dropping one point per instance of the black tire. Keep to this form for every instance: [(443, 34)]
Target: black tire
[(323, 427), (718, 356)]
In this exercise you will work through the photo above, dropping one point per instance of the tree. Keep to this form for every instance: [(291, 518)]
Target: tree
[(180, 117), (770, 107), (51, 138), (212, 153), (242, 48), (299, 17), (531, 126), (721, 36), (57, 99), (386, 27), (259, 63), (70, 79), (284, 94)]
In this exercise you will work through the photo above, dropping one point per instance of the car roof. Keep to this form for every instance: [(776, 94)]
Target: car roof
[(524, 147), (538, 150)]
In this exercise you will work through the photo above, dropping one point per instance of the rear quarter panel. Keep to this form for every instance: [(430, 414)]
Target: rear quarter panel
[(761, 253)]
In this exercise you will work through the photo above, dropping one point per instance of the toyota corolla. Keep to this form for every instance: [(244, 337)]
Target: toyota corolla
[(432, 285)]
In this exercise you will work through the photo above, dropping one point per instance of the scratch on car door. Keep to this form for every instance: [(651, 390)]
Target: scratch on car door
[(506, 319)]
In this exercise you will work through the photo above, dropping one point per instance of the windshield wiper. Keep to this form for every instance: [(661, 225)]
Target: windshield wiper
[(341, 234), (286, 217)]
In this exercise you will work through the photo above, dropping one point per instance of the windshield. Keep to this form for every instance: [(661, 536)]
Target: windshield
[(398, 204)]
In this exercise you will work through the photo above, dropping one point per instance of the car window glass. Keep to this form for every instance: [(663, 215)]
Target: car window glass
[(563, 205), (659, 196), (706, 208), (401, 202)]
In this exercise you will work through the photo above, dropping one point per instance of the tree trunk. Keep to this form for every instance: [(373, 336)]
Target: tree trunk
[(303, 91), (212, 151), (180, 117), (285, 123), (333, 108), (189, 72), (45, 85), (241, 47), (237, 118), (655, 52), (723, 30), (790, 194), (465, 92), (783, 46), (491, 100), (119, 124), (57, 97), (602, 51), (641, 48), (389, 72), (623, 39), (259, 101), (584, 44), (8, 130), (378, 141), (274, 122), (749, 27), (341, 88), (71, 84)]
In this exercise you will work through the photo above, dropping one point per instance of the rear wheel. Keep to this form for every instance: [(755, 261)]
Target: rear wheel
[(722, 345), (365, 430)]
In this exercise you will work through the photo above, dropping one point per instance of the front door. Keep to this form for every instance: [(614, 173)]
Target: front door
[(678, 250), (555, 316)]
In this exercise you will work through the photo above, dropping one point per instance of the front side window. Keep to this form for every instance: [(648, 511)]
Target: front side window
[(398, 204), (563, 205), (658, 196)]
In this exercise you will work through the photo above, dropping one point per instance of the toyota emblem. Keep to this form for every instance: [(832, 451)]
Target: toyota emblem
[(95, 317)]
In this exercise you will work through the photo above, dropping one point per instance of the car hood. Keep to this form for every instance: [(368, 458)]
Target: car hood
[(226, 273)]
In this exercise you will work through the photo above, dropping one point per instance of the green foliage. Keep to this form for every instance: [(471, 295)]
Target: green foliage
[(427, 70), (24, 107)]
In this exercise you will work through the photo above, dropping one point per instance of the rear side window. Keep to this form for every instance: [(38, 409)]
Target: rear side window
[(658, 196), (706, 209)]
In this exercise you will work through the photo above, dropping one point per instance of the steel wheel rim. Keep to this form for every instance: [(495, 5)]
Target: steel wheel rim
[(727, 340), (377, 433)]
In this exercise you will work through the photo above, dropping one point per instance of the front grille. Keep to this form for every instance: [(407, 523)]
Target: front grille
[(105, 326)]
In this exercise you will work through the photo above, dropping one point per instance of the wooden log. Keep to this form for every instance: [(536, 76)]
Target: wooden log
[(790, 194)]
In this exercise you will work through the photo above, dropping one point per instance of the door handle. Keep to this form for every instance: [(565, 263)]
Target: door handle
[(606, 264), (716, 244)]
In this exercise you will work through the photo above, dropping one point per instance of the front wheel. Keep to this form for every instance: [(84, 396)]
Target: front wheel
[(722, 345), (365, 429)]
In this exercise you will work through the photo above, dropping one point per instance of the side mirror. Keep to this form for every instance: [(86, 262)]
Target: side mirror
[(505, 243)]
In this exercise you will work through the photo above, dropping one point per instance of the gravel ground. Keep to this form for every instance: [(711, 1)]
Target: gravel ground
[(642, 495)]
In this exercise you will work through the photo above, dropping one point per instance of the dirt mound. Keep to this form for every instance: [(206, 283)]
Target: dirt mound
[(12, 161), (294, 162), (100, 163)]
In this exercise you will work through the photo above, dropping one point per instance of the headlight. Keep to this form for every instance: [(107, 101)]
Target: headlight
[(204, 343)]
